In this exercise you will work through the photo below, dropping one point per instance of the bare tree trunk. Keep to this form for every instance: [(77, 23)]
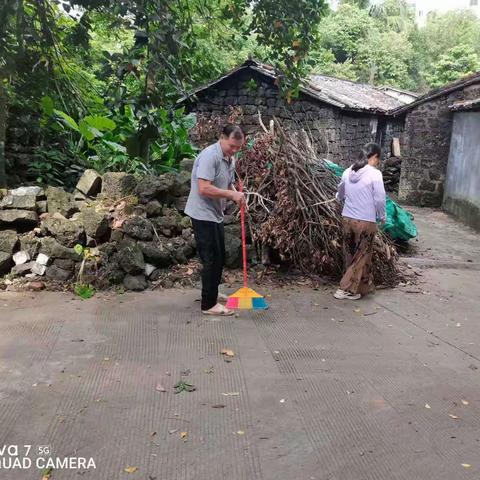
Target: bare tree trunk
[(3, 131)]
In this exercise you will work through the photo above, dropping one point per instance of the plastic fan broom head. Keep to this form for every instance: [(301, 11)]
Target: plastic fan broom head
[(246, 299)]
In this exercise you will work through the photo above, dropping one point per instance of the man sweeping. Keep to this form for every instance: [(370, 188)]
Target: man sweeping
[(212, 181)]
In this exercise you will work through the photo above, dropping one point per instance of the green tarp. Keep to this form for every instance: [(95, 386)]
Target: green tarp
[(399, 224)]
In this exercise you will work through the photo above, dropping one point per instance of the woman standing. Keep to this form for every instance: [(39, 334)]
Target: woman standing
[(362, 192)]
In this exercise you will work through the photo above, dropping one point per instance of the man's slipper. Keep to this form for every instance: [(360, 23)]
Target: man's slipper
[(220, 311)]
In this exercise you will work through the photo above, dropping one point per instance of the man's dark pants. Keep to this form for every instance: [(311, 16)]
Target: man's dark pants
[(210, 239)]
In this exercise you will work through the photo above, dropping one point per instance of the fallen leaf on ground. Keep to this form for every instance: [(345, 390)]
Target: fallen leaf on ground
[(228, 353), (427, 406), (465, 402), (131, 469), (453, 416), (184, 387), (184, 436), (47, 473)]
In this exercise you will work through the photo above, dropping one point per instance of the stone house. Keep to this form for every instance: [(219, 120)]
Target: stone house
[(426, 140), (340, 115)]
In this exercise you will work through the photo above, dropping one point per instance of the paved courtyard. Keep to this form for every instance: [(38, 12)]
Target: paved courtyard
[(384, 388)]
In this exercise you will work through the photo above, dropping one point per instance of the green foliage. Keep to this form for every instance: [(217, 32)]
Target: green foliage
[(174, 144), (52, 166), (446, 31), (384, 59), (288, 29), (324, 62), (358, 3), (381, 44), (344, 32), (440, 35), (84, 290), (394, 15), (145, 141), (106, 82), (81, 288), (454, 64), (252, 85)]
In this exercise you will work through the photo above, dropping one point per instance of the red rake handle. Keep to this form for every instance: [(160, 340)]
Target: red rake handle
[(244, 237)]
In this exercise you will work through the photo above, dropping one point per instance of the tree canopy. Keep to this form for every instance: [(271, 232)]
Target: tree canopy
[(67, 62)]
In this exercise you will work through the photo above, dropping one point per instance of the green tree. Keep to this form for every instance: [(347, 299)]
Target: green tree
[(140, 53), (384, 59), (288, 30), (394, 15), (324, 63), (441, 34), (26, 41), (454, 64), (344, 31), (359, 46), (365, 4)]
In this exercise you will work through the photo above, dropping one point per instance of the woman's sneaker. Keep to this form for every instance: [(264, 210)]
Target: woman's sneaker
[(343, 295)]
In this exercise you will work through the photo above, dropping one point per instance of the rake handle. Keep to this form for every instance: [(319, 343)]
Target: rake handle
[(244, 236)]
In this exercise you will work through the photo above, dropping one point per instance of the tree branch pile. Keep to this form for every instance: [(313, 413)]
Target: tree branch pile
[(292, 207)]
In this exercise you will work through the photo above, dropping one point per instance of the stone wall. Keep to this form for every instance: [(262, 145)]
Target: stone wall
[(425, 147), (338, 134), (134, 229)]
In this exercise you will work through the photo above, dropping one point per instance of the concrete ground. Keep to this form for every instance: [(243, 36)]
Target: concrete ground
[(386, 388), (443, 242)]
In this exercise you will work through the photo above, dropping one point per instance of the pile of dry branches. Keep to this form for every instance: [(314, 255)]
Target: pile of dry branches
[(292, 206)]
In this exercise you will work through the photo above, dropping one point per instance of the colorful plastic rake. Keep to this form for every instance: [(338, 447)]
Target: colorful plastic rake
[(245, 298)]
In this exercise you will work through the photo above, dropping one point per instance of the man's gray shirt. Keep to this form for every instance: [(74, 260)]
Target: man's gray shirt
[(212, 166)]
